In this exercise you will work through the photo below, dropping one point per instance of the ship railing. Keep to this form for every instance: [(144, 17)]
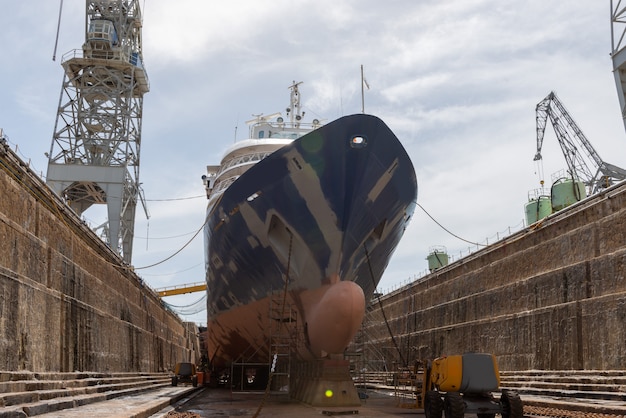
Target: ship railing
[(223, 185), (242, 160), (293, 130)]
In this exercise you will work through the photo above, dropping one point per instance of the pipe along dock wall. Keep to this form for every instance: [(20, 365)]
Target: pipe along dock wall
[(550, 297), (67, 303)]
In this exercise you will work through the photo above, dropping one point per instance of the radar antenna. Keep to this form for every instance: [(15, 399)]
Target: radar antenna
[(583, 162), (94, 156)]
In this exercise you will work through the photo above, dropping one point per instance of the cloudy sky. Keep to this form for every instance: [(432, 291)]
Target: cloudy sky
[(456, 80)]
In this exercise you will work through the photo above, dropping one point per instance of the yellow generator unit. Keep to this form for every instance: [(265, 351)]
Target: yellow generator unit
[(464, 384)]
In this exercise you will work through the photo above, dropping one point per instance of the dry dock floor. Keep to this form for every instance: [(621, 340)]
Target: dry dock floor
[(208, 402), (187, 402), (223, 403)]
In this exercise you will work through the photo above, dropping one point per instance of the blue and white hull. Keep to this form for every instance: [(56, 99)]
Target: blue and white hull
[(315, 223)]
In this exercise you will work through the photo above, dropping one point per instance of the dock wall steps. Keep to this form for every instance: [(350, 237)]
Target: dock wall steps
[(25, 394), (545, 392), (588, 391)]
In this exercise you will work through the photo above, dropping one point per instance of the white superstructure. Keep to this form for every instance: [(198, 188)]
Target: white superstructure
[(267, 134)]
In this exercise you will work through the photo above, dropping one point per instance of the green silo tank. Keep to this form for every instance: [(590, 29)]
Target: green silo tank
[(566, 192), (537, 209), (437, 258)]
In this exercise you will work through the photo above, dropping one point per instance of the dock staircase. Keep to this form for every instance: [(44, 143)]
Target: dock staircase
[(27, 394), (545, 393), (566, 391)]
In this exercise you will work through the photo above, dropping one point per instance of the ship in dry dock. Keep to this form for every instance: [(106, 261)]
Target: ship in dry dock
[(305, 215)]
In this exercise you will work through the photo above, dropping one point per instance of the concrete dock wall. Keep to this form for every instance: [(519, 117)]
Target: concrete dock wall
[(550, 297), (67, 303)]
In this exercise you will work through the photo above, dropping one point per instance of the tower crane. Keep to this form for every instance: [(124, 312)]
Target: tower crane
[(583, 162), (94, 156)]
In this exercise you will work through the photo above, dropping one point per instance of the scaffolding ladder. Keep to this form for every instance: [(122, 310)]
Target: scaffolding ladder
[(356, 356), (282, 341)]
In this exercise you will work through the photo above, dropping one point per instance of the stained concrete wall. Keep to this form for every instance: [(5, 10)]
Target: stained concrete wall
[(66, 301), (550, 297)]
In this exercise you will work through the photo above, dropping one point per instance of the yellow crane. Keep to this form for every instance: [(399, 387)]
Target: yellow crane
[(181, 289)]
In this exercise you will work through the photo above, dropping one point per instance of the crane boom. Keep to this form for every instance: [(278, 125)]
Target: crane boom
[(583, 162)]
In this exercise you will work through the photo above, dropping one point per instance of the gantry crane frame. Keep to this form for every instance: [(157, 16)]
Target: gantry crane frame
[(94, 156)]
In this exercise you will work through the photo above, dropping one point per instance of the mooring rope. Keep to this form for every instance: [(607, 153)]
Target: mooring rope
[(380, 303)]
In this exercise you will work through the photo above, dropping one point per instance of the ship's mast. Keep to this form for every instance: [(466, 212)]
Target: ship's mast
[(94, 156), (294, 110)]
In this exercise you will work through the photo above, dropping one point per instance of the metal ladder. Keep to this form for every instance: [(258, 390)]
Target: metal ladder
[(283, 341)]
